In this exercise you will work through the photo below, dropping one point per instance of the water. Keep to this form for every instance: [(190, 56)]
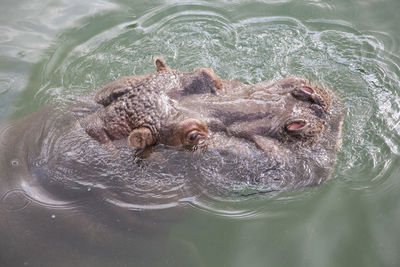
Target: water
[(54, 51)]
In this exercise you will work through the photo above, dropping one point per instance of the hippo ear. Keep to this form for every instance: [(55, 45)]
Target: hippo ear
[(160, 64), (141, 138)]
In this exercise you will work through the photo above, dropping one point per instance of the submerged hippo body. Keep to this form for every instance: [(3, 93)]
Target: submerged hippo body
[(191, 132), (281, 135), (95, 174)]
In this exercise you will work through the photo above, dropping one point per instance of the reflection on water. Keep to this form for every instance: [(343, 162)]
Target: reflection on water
[(58, 51)]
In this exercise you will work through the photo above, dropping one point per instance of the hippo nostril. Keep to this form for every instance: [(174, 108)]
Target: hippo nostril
[(294, 126), (304, 93), (307, 89)]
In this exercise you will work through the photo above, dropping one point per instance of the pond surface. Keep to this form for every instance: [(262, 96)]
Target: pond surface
[(54, 51)]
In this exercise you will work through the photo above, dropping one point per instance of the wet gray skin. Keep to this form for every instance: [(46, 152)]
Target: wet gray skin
[(289, 130), (180, 134), (146, 143)]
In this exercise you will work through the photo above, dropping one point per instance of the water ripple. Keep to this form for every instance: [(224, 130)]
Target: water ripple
[(361, 65)]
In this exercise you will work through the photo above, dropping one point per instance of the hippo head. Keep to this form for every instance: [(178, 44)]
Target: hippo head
[(101, 168), (286, 132), (291, 123)]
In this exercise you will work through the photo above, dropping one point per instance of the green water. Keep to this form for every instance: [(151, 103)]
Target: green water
[(53, 51)]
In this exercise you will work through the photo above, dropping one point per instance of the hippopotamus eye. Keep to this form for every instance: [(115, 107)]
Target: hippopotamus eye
[(189, 132), (194, 137)]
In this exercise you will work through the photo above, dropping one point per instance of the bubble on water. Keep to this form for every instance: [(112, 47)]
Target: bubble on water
[(15, 163), (15, 200), (5, 84)]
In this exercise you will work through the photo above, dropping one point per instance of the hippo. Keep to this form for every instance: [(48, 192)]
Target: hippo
[(138, 148), (206, 132), (290, 129)]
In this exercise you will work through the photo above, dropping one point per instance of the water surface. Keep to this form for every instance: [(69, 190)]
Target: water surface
[(54, 51)]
